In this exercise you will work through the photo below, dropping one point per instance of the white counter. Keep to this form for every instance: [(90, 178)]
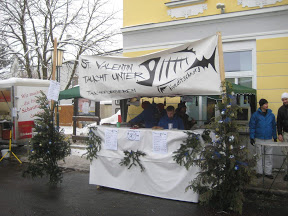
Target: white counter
[(162, 176)]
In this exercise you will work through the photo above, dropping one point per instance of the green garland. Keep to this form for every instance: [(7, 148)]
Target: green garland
[(188, 151), (132, 158), (93, 145)]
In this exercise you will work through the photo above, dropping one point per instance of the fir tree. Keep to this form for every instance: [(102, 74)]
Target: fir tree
[(48, 146), (225, 168)]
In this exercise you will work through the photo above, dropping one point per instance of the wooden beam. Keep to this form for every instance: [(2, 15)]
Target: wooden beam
[(86, 118), (221, 61)]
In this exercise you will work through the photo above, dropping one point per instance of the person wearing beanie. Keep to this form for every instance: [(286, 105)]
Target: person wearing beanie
[(262, 127), (181, 113), (282, 128)]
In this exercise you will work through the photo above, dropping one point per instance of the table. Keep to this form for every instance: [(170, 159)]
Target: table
[(162, 176), (272, 144)]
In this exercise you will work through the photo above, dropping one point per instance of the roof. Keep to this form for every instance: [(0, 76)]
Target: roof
[(70, 93), (7, 83), (239, 89)]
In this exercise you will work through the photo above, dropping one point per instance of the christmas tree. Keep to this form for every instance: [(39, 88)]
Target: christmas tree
[(225, 168), (48, 146)]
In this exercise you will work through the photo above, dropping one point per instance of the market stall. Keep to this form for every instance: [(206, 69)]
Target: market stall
[(190, 69), (162, 176)]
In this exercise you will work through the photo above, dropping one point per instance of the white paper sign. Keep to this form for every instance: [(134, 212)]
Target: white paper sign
[(85, 107), (53, 91), (14, 112), (133, 135), (111, 139), (160, 142)]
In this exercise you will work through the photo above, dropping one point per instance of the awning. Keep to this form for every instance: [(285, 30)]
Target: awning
[(70, 93), (239, 89)]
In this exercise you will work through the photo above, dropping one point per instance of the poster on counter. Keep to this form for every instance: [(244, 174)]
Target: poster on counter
[(111, 139), (177, 71), (133, 135), (159, 142)]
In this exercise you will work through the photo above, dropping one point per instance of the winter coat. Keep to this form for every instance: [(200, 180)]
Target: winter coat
[(263, 126), (148, 116), (282, 119), (176, 121)]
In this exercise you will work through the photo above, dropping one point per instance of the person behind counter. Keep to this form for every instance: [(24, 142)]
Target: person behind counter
[(171, 118), (148, 115), (181, 112)]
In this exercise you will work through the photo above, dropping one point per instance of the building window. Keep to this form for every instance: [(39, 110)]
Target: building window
[(239, 68), (238, 61), (245, 81)]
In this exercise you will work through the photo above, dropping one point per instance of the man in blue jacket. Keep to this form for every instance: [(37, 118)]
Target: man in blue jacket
[(171, 118), (262, 129), (147, 116)]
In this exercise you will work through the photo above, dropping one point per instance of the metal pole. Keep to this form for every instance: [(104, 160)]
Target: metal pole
[(57, 104)]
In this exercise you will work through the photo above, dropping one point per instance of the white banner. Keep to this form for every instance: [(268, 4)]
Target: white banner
[(189, 69)]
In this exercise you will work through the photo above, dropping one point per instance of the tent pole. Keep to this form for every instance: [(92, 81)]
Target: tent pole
[(221, 61)]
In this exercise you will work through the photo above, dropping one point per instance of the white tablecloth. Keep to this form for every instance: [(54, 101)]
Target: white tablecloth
[(162, 176)]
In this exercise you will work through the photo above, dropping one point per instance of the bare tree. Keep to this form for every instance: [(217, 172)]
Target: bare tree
[(28, 28)]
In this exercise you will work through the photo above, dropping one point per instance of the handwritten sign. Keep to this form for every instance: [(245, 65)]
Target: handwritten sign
[(27, 105), (53, 91), (160, 142), (133, 135), (111, 139), (181, 70)]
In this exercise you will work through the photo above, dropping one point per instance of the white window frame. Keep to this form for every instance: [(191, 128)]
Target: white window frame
[(238, 46)]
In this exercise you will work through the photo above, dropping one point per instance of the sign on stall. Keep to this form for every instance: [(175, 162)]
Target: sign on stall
[(133, 135), (190, 68), (159, 142), (111, 139)]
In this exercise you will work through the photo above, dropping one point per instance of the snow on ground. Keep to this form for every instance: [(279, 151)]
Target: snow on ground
[(77, 148), (78, 152), (84, 131)]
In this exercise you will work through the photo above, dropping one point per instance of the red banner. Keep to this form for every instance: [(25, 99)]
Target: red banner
[(25, 129)]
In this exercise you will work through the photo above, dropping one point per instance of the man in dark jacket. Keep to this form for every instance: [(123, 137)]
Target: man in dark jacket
[(171, 119), (181, 112), (262, 129), (147, 116), (282, 127)]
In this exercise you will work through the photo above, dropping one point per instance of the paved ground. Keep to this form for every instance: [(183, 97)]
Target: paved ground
[(75, 197), (25, 197)]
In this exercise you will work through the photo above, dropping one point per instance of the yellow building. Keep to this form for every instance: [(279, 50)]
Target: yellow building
[(254, 35)]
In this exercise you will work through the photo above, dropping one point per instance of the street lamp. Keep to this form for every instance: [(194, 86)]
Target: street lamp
[(59, 61)]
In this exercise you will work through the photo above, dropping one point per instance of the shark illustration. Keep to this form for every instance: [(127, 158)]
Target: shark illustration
[(204, 63)]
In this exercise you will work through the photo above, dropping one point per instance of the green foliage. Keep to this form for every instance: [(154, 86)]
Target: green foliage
[(93, 145), (225, 167), (48, 146), (132, 159), (188, 151)]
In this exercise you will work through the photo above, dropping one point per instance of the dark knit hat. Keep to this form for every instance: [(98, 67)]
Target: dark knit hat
[(182, 104), (262, 102)]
